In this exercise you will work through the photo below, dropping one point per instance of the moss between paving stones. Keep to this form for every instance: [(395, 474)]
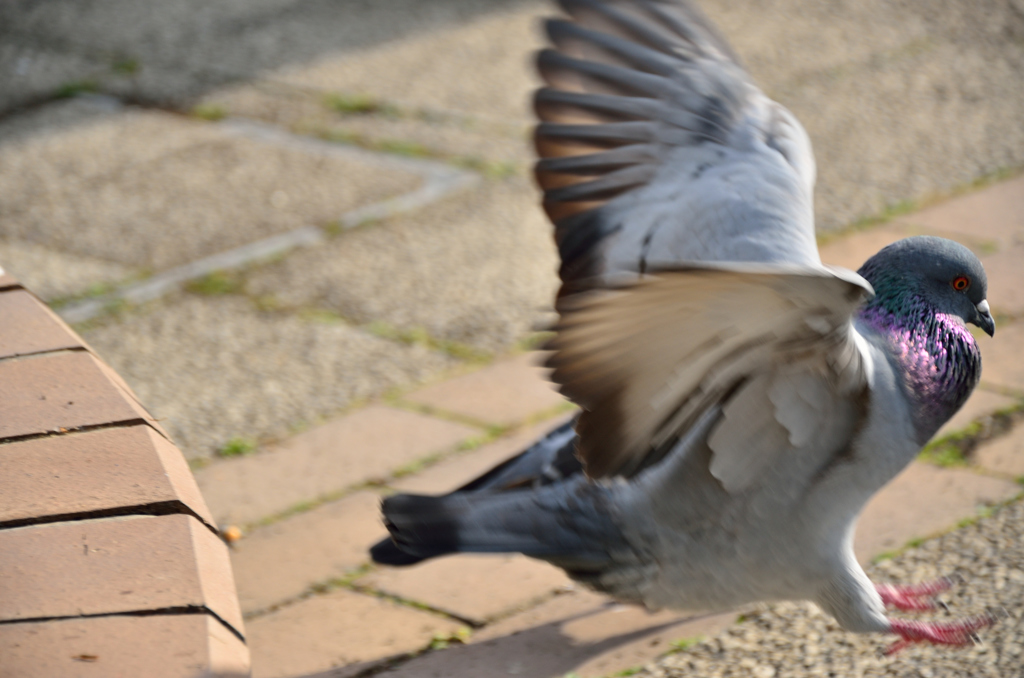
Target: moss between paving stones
[(956, 448)]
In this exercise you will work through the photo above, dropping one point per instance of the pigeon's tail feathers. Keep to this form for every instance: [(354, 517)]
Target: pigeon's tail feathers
[(566, 524), (387, 552)]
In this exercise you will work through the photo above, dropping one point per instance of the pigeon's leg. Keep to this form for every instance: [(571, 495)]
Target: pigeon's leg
[(957, 633), (916, 597)]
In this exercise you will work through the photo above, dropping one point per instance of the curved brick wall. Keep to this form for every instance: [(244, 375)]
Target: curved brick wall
[(110, 563)]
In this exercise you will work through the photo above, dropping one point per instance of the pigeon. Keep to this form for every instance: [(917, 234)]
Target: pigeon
[(739, 401)]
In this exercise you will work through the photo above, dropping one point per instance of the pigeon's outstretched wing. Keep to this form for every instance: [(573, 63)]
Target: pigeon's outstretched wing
[(656, 148), (644, 362)]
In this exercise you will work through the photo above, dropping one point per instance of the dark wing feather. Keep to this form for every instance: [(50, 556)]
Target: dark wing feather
[(656, 148)]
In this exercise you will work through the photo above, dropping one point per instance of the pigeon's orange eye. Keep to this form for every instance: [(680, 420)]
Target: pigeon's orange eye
[(961, 283)]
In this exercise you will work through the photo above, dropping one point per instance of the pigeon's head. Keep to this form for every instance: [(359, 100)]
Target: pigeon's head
[(944, 274)]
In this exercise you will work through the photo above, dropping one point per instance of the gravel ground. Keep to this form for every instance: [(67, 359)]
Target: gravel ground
[(796, 639), (213, 368)]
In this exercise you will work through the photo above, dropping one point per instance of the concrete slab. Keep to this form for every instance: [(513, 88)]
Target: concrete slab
[(365, 445), (1003, 455), (792, 40), (1003, 368), (880, 129), (922, 501), (493, 146), (55, 275), (473, 587), (478, 268), (507, 392), (31, 71), (338, 634), (281, 561), (164, 646), (480, 67), (575, 633), (194, 192), (226, 43), (462, 468), (274, 371)]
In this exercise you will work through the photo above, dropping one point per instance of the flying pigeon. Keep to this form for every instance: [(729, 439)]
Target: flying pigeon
[(740, 401)]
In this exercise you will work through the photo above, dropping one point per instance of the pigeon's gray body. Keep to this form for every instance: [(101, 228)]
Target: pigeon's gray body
[(738, 407)]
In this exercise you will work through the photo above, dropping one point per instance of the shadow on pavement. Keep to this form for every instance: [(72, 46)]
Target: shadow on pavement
[(170, 52), (542, 651)]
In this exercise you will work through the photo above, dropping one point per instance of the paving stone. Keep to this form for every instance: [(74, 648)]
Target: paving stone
[(165, 646), (995, 213), (30, 327), (1005, 280), (335, 630), (473, 587), (280, 561), (362, 446), (1002, 366), (477, 268), (273, 371), (94, 471), (158, 190), (575, 633), (921, 501), (453, 473), (54, 275), (980, 403), (504, 393), (115, 565), (60, 391), (852, 249), (1004, 454)]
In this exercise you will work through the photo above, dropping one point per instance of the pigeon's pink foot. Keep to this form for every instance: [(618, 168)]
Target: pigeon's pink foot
[(916, 597), (957, 633)]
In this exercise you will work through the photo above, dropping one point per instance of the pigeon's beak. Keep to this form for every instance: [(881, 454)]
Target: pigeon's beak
[(984, 319)]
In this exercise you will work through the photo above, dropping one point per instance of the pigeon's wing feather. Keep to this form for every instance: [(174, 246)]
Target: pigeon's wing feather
[(657, 149), (644, 361)]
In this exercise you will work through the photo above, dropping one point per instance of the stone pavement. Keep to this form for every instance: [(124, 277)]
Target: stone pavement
[(303, 231)]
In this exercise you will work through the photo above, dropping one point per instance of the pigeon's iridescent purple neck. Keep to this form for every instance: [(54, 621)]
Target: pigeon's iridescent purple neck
[(939, 358)]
